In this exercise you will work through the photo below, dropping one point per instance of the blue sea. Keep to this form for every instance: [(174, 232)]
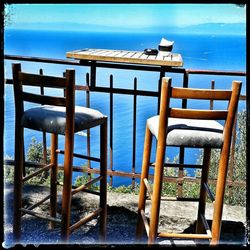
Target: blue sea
[(213, 52)]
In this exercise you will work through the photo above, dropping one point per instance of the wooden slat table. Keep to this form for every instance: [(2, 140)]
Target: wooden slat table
[(124, 56), (129, 59)]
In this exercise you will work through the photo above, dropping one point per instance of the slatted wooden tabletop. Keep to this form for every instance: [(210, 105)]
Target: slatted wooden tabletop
[(124, 56)]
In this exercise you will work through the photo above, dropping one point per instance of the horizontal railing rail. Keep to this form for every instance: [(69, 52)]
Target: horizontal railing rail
[(122, 66), (135, 92)]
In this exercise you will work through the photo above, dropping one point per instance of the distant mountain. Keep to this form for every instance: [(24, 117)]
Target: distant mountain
[(216, 28), (207, 28), (57, 26), (68, 26)]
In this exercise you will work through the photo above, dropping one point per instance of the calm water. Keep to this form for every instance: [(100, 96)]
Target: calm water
[(199, 52)]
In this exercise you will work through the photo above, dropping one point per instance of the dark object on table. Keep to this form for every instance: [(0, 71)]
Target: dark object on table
[(166, 48), (165, 45), (150, 51)]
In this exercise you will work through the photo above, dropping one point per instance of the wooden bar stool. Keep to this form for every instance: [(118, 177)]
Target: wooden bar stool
[(188, 128), (56, 115)]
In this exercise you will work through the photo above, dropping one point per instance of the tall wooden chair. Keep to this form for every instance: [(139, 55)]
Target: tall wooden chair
[(188, 128), (56, 115)]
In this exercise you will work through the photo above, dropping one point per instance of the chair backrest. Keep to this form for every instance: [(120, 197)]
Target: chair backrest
[(67, 83), (168, 92)]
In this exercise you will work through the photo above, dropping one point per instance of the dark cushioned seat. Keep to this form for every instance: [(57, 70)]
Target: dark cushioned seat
[(52, 119), (190, 132)]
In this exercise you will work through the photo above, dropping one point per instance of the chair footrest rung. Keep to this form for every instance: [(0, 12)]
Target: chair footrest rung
[(84, 220), (41, 216), (86, 185), (178, 165), (145, 180), (210, 193), (46, 167), (89, 191), (39, 203), (205, 224), (184, 236), (145, 221), (165, 198), (80, 156)]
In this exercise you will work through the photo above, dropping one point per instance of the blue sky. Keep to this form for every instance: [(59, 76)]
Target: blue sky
[(128, 15)]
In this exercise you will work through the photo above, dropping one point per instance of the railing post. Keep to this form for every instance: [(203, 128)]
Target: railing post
[(182, 149), (134, 131), (111, 131), (92, 75), (162, 74), (232, 153), (212, 101), (44, 133), (2, 108), (88, 130)]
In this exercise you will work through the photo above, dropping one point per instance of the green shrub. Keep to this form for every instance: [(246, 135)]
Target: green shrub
[(34, 154), (129, 189), (84, 178), (8, 171), (233, 195)]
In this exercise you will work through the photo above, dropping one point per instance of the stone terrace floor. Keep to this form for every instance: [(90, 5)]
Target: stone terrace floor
[(176, 216)]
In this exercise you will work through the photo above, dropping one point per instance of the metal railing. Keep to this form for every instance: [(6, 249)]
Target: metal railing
[(92, 86)]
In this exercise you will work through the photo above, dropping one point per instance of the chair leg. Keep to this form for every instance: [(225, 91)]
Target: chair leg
[(18, 175), (157, 186), (67, 187), (53, 179), (203, 193), (24, 170), (103, 182), (219, 194), (143, 190)]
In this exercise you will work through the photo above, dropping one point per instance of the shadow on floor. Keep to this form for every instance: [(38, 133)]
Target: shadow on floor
[(120, 228)]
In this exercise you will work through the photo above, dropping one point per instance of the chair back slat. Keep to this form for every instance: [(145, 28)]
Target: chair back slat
[(203, 94), (198, 114), (80, 87), (41, 80), (21, 79), (206, 94), (43, 99), (168, 110)]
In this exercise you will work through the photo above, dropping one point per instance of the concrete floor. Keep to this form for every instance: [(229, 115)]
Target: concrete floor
[(176, 216)]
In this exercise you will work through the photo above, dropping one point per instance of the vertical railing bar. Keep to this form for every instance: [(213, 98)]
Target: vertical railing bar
[(41, 88), (182, 149), (212, 101), (134, 131), (162, 74), (93, 75), (44, 133), (181, 172), (64, 90), (232, 155), (88, 130), (111, 131), (185, 85)]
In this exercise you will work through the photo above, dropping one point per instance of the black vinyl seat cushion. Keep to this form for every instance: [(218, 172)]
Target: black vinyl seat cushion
[(52, 119)]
